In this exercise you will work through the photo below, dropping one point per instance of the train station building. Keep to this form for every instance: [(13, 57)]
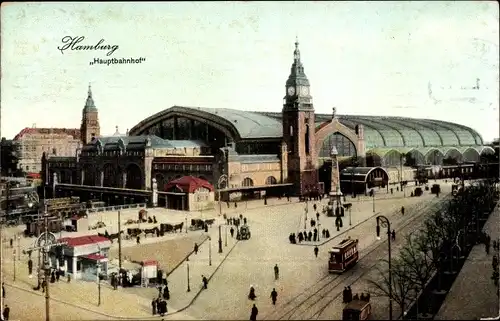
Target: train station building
[(241, 152)]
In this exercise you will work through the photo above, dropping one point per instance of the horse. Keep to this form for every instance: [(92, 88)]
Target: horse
[(113, 236), (210, 222), (134, 232), (165, 228), (153, 231), (178, 227)]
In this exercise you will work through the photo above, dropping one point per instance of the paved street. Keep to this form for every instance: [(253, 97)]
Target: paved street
[(249, 263)]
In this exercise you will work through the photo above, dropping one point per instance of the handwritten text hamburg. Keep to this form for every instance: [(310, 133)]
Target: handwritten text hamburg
[(72, 44)]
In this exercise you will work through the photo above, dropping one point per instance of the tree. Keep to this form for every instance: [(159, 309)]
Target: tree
[(402, 284), (416, 255)]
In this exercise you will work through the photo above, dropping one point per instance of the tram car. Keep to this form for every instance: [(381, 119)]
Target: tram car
[(343, 256)]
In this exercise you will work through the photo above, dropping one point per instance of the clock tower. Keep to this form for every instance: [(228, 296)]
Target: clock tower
[(299, 128), (90, 128)]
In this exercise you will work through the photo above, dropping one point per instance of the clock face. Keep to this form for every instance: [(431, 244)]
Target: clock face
[(291, 91), (305, 90)]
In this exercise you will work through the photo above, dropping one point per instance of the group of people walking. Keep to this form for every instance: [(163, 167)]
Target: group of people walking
[(159, 304), (348, 297)]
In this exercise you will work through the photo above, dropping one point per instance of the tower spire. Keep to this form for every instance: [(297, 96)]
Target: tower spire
[(89, 104), (296, 52)]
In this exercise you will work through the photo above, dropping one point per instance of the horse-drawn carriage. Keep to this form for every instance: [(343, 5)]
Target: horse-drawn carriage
[(243, 233), (199, 224)]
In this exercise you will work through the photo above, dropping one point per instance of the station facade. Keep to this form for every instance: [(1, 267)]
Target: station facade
[(239, 151)]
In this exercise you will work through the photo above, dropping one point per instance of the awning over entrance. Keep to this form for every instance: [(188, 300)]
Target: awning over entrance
[(95, 257)]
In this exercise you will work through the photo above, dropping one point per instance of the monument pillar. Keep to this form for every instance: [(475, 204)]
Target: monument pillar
[(335, 193)]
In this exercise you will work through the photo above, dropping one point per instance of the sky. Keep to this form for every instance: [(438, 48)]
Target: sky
[(364, 58)]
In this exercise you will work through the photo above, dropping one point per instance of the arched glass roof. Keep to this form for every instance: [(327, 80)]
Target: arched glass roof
[(380, 131)]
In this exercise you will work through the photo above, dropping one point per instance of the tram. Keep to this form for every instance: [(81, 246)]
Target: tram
[(343, 256)]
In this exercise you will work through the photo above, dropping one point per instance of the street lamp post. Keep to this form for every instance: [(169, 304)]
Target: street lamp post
[(305, 215), (401, 161), (189, 287), (226, 235), (209, 251), (220, 240), (222, 179), (99, 279), (19, 247), (14, 263), (383, 221), (186, 221), (373, 200)]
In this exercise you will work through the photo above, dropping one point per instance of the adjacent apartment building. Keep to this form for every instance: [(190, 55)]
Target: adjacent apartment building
[(30, 144)]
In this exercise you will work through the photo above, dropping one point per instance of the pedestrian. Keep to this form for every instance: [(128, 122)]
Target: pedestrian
[(205, 282), (6, 312), (349, 294), (30, 268), (138, 240), (393, 234), (166, 293), (327, 233), (274, 296), (253, 315), (314, 207), (251, 294), (195, 248), (153, 306), (316, 250), (245, 221), (317, 216), (487, 247), (58, 275), (236, 205), (69, 278), (402, 210), (355, 297), (344, 295), (309, 236), (276, 272), (11, 241), (231, 231)]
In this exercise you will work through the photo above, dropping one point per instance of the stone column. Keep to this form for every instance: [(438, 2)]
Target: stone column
[(74, 267), (101, 178), (82, 176), (154, 193), (124, 179)]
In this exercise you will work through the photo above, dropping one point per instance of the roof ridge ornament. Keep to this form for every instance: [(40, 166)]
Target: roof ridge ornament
[(334, 113)]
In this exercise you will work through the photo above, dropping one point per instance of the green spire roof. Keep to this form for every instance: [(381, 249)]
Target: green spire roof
[(89, 104)]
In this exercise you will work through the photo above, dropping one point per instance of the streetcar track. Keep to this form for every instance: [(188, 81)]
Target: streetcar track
[(318, 313), (363, 254)]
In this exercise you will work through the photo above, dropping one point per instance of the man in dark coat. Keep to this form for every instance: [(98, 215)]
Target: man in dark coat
[(166, 293), (6, 312), (153, 305), (274, 296), (205, 282), (232, 232), (316, 250), (195, 248), (344, 295), (30, 267), (276, 272), (309, 236), (253, 315), (393, 235)]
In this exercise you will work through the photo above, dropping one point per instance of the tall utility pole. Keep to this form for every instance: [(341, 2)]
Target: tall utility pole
[(44, 243), (119, 245)]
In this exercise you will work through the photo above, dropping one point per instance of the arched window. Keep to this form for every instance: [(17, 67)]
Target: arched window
[(247, 182), (271, 180), (345, 147)]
